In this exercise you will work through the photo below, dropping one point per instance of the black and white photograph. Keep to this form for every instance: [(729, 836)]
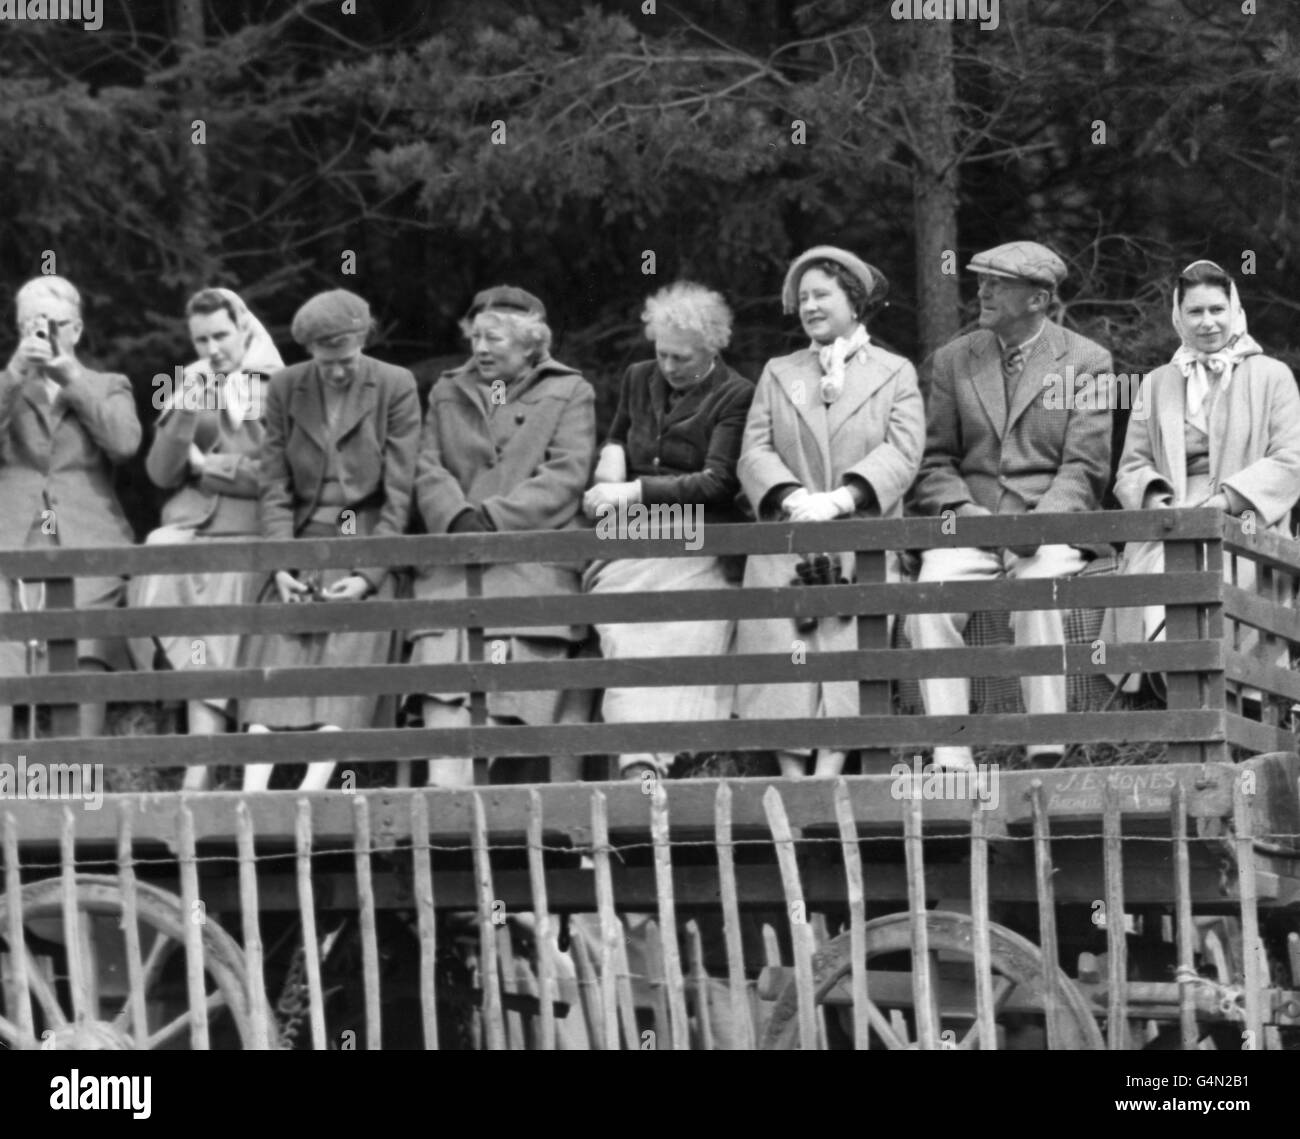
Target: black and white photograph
[(650, 525)]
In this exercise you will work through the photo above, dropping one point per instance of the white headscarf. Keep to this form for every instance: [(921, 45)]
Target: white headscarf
[(835, 356), (241, 395), (1198, 366)]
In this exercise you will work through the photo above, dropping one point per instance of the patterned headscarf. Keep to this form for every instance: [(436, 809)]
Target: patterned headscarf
[(1199, 366), (242, 396)]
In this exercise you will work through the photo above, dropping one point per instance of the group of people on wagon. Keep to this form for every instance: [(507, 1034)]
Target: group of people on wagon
[(336, 446)]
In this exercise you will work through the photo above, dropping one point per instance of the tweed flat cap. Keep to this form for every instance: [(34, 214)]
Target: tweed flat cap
[(1021, 261), (329, 315), (873, 280), (505, 298)]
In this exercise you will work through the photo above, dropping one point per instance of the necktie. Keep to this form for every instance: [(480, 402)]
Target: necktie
[(1013, 363)]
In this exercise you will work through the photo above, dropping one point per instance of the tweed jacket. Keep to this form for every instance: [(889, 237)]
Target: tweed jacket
[(224, 499), (874, 431), (59, 457), (1254, 442), (685, 454), (1039, 454), (378, 433), (524, 461)]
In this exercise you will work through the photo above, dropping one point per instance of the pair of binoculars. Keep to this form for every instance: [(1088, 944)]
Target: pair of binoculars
[(817, 569)]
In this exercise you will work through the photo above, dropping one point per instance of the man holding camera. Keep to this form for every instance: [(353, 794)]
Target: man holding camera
[(995, 444), (62, 429)]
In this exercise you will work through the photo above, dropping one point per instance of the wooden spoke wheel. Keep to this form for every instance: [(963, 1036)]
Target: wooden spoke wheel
[(1018, 987), (107, 1022)]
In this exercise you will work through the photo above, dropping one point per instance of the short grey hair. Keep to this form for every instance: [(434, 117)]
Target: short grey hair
[(525, 328), (688, 307), (60, 288)]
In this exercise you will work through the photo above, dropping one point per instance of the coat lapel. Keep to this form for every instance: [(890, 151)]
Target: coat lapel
[(1171, 412), (1043, 358), (801, 383), (306, 408), (985, 369), (864, 376), (360, 401)]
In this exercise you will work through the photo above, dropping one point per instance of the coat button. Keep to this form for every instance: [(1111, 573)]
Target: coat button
[(519, 417), (656, 463)]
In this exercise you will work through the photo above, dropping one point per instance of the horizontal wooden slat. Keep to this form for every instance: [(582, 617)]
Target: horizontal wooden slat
[(383, 744), (641, 672), (582, 609), (582, 545), (1261, 613), (1257, 737), (1263, 546), (1257, 674), (566, 808)]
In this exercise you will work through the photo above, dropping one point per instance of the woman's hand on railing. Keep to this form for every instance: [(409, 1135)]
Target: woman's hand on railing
[(351, 588), (819, 507), (609, 494), (290, 588)]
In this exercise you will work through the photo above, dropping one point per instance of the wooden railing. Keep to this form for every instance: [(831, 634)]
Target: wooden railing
[(1206, 671)]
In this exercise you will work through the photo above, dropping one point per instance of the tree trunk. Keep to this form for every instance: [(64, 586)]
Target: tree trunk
[(931, 107), (195, 220)]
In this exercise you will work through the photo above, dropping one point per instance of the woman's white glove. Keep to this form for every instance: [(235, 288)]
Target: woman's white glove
[(823, 507)]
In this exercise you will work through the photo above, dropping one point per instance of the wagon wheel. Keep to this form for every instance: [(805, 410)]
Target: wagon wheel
[(108, 1025), (1017, 973)]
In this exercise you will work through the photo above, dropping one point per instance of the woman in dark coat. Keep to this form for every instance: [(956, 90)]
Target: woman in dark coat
[(338, 459), (508, 444), (673, 444)]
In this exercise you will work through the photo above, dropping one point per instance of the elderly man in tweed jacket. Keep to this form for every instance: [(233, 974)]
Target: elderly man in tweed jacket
[(1001, 440)]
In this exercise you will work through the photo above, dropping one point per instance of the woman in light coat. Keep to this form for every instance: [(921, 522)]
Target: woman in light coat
[(509, 442), (1219, 425), (63, 428), (205, 451), (836, 430)]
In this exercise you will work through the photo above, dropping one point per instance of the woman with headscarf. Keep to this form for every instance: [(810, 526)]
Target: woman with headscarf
[(205, 451), (837, 430), (338, 459), (508, 444), (1219, 425), (674, 442)]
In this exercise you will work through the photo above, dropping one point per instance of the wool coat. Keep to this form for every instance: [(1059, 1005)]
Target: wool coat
[(1254, 433), (684, 453), (60, 457), (1037, 454), (874, 431), (524, 459), (1254, 436), (222, 500), (374, 451)]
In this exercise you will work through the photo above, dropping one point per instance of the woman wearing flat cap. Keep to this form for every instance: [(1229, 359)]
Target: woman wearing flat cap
[(338, 459), (1219, 426), (836, 431), (674, 442), (205, 451), (508, 444)]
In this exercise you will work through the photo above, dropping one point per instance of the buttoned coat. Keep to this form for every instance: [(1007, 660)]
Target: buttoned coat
[(1254, 435), (224, 498), (1044, 453), (524, 459), (60, 457), (378, 434), (874, 431)]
